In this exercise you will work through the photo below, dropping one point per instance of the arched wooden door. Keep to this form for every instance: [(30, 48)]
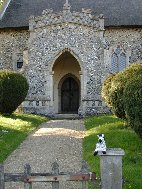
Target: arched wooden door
[(69, 96)]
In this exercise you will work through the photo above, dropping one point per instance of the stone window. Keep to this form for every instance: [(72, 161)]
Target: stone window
[(118, 60), (19, 62), (19, 65)]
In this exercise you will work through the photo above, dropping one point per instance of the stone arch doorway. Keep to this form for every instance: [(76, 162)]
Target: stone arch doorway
[(66, 77), (69, 95)]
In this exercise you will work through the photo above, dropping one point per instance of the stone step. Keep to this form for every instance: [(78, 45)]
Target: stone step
[(66, 116)]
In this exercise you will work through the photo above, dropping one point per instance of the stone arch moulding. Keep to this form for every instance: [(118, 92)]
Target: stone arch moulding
[(81, 75), (65, 77), (60, 86), (60, 52)]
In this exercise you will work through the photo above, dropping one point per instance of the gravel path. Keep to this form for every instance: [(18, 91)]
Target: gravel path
[(56, 140)]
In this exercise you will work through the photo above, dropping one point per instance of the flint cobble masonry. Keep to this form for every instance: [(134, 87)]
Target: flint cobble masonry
[(83, 36)]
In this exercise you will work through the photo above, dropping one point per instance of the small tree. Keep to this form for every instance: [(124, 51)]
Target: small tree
[(13, 90)]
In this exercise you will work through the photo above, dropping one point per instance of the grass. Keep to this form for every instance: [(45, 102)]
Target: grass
[(1, 3), (14, 129), (117, 135)]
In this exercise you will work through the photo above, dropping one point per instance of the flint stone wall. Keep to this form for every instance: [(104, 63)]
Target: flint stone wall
[(128, 39), (12, 42), (81, 34), (53, 33)]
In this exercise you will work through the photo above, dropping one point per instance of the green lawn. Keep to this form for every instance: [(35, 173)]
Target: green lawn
[(117, 136), (14, 129), (1, 3)]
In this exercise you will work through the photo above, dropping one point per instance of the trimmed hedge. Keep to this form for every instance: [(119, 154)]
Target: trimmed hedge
[(123, 94), (13, 90), (132, 99), (116, 88)]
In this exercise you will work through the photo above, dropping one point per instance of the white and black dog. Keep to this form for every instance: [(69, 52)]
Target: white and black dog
[(101, 145)]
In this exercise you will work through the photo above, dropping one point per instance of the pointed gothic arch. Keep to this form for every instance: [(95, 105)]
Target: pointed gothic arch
[(66, 65), (114, 63), (118, 60), (60, 52), (122, 61)]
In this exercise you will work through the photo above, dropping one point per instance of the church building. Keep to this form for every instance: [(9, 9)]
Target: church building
[(66, 49)]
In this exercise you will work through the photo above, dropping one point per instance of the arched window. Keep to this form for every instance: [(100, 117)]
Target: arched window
[(114, 63), (118, 60), (122, 61)]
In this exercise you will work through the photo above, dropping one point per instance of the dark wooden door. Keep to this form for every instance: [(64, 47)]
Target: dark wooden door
[(69, 96)]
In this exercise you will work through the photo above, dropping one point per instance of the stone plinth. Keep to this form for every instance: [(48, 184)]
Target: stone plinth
[(111, 168)]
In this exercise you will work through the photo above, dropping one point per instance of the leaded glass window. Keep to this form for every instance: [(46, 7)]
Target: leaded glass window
[(122, 61), (118, 60), (114, 63)]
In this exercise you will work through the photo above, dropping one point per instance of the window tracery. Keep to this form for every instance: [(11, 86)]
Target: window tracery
[(118, 60)]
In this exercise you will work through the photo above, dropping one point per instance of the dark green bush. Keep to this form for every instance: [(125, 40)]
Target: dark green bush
[(116, 94), (112, 91), (13, 90), (132, 99), (115, 91)]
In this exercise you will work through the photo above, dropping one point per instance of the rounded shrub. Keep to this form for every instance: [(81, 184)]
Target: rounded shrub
[(112, 91), (116, 95), (116, 88), (13, 90), (132, 99)]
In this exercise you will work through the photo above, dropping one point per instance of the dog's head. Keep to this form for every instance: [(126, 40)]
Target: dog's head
[(101, 138)]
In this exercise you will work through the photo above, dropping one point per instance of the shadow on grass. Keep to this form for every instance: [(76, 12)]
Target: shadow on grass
[(30, 118), (96, 121)]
